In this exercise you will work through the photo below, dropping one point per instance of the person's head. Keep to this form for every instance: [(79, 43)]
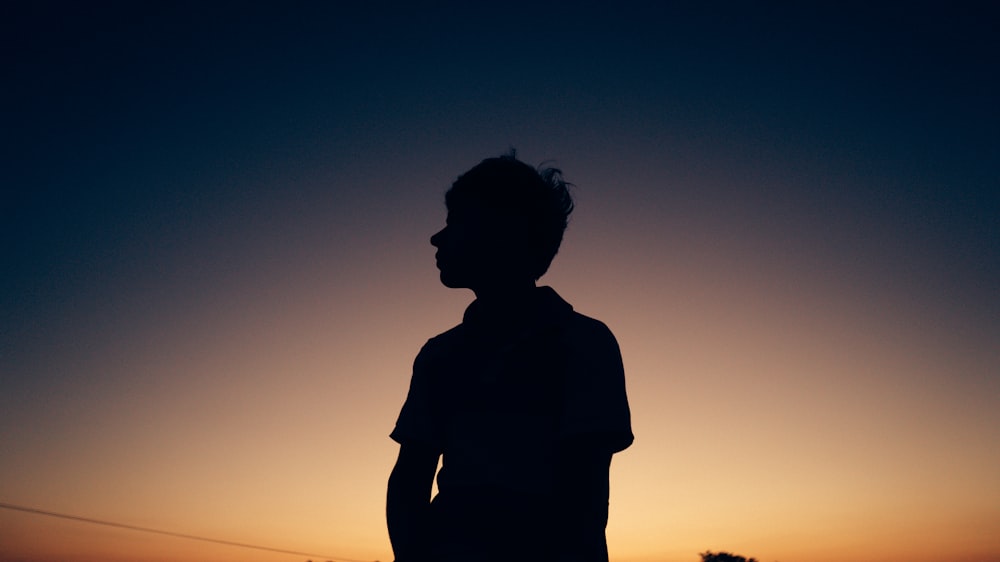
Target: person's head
[(505, 223)]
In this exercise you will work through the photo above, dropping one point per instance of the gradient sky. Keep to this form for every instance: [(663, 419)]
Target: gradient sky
[(217, 269)]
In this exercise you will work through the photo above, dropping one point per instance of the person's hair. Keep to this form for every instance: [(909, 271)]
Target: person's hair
[(536, 200)]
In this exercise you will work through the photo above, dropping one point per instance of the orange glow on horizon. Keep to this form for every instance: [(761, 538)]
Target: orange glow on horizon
[(783, 424)]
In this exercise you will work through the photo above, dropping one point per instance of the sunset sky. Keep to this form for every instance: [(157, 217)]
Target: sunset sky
[(217, 273)]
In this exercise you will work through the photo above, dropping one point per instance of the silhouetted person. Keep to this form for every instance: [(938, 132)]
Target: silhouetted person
[(525, 399)]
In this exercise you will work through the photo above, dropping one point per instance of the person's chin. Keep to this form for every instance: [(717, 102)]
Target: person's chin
[(452, 281)]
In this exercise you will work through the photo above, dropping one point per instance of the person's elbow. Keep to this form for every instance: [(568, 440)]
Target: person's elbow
[(413, 473)]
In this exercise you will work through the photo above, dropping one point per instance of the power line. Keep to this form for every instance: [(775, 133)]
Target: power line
[(170, 533)]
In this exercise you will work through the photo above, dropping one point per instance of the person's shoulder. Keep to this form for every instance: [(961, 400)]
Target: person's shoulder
[(447, 337), (581, 323), (443, 342), (583, 330)]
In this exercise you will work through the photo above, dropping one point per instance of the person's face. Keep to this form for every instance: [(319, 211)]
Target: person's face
[(473, 250)]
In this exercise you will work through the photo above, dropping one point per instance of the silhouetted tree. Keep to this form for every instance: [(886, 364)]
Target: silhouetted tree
[(709, 556)]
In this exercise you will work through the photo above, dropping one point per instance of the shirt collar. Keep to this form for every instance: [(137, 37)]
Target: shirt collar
[(543, 306)]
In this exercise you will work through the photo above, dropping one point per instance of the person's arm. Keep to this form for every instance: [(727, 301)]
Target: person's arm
[(581, 495), (408, 502), (595, 424)]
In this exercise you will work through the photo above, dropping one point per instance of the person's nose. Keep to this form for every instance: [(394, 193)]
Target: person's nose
[(436, 238)]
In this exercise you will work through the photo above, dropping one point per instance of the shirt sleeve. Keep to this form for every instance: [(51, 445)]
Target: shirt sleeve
[(416, 423), (596, 410)]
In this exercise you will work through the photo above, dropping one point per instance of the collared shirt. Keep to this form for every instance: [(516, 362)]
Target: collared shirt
[(497, 395)]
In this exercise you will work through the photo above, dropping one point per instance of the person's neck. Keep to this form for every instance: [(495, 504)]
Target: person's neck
[(504, 294)]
